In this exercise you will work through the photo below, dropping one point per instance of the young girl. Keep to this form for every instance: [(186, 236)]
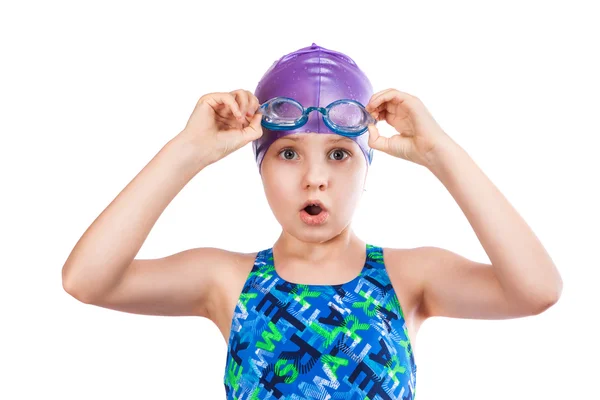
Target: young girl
[(320, 314)]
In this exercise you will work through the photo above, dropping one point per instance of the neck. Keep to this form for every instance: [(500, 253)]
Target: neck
[(296, 252)]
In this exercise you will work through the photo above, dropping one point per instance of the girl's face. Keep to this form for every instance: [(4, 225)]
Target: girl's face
[(313, 166)]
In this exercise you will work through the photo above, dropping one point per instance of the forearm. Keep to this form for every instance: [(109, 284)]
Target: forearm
[(112, 241), (521, 263)]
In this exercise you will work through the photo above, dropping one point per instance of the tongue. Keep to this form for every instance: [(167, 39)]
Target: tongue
[(313, 210)]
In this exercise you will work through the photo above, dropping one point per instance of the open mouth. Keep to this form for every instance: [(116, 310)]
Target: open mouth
[(314, 213), (313, 209)]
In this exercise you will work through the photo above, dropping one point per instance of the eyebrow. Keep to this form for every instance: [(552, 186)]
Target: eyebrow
[(330, 140)]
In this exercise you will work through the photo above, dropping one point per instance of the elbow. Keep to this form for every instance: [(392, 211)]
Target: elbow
[(545, 294), (547, 301), (543, 306), (67, 280), (72, 289)]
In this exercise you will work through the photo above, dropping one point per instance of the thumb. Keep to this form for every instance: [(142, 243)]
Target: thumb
[(397, 145), (376, 141), (254, 130)]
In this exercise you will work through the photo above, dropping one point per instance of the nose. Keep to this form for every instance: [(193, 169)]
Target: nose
[(315, 176)]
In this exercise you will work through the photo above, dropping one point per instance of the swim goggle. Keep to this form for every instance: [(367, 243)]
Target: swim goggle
[(345, 117)]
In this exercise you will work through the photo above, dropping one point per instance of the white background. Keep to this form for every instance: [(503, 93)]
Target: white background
[(90, 92)]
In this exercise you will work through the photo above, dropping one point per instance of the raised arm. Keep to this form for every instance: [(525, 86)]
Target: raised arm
[(521, 279), (102, 268)]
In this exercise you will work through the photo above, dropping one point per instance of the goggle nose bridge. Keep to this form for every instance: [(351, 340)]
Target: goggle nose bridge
[(322, 110)]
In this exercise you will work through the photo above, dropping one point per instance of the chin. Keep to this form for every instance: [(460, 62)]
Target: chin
[(313, 234)]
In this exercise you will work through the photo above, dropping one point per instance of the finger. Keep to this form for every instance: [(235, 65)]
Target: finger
[(241, 97), (376, 141), (254, 130), (379, 101), (227, 100), (380, 113), (390, 95), (379, 93), (254, 104), (247, 97), (370, 106)]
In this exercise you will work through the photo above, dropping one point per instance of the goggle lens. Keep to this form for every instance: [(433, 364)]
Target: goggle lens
[(347, 115), (282, 111)]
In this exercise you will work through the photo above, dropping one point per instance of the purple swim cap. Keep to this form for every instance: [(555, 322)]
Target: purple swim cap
[(315, 77)]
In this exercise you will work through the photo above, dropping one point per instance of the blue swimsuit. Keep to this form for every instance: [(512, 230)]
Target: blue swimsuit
[(294, 341)]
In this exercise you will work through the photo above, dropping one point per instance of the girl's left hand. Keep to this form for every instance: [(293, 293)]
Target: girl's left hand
[(418, 133)]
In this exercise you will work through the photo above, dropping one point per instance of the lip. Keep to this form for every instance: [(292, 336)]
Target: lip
[(314, 220), (315, 202)]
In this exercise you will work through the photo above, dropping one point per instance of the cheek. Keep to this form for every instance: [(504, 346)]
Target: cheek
[(348, 196), (353, 174), (279, 192), (349, 190)]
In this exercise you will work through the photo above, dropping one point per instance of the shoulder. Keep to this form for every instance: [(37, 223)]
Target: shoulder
[(230, 264), (229, 272), (407, 260), (407, 269), (228, 277), (412, 261)]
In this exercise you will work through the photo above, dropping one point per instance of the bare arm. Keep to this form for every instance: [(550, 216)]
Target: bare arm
[(176, 285), (521, 279), (95, 270), (101, 269)]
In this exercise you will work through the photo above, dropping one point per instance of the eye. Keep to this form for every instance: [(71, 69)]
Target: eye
[(287, 151), (340, 153)]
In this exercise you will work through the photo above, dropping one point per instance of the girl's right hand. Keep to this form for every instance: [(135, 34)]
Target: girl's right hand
[(221, 123)]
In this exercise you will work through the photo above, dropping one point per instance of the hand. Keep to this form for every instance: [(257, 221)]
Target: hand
[(221, 123), (418, 133)]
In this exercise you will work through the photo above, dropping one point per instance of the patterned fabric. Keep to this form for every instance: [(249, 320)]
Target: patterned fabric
[(293, 341)]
